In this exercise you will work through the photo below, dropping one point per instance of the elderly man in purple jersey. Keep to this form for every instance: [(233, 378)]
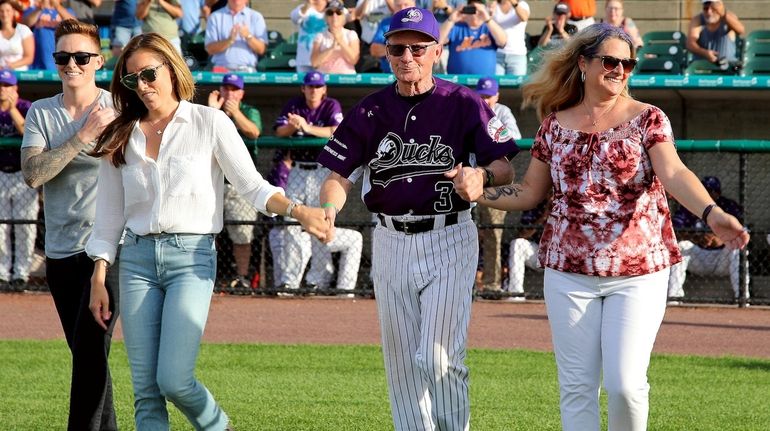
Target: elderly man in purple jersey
[(402, 140)]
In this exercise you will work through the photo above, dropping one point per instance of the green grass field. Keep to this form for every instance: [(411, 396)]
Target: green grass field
[(308, 387)]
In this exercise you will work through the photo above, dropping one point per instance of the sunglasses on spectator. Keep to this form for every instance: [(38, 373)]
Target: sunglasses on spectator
[(417, 50), (62, 58), (610, 63), (150, 74), (331, 12)]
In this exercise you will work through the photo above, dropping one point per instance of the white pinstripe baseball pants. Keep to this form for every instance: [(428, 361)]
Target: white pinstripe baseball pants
[(604, 326), (423, 286)]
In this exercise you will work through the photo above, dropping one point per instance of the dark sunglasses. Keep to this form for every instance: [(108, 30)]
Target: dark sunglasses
[(331, 12), (610, 63), (417, 50), (62, 58), (150, 74)]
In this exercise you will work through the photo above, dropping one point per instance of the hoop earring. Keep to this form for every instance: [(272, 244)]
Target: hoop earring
[(583, 76)]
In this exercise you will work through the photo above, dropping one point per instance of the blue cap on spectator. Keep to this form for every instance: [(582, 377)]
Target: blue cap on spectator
[(314, 78), (712, 184), (487, 86), (7, 77), (414, 19), (233, 79)]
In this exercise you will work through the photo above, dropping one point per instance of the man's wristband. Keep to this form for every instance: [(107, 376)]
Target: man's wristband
[(330, 205), (706, 212)]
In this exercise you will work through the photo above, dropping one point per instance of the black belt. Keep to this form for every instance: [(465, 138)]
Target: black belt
[(418, 226), (307, 166)]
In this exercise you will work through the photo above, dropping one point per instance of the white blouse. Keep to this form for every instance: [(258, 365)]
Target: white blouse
[(13, 49), (181, 192)]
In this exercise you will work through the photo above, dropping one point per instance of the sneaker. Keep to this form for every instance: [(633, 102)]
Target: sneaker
[(513, 299), (346, 295), (18, 285), (675, 300)]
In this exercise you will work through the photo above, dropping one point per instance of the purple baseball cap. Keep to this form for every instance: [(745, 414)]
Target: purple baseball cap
[(487, 86), (414, 19), (314, 78), (233, 79), (7, 77), (712, 184)]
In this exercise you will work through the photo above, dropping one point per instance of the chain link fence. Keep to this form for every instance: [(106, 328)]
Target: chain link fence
[(260, 255)]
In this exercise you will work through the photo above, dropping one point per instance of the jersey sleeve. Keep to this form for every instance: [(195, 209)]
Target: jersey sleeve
[(490, 138), (335, 113), (345, 150)]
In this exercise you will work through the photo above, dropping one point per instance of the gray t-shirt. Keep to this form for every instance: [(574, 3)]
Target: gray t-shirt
[(69, 198)]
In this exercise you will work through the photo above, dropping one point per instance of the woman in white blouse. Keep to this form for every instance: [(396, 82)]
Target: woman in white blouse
[(161, 179), (17, 46)]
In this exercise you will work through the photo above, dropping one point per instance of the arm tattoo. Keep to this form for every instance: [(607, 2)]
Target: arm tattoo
[(41, 167), (495, 193)]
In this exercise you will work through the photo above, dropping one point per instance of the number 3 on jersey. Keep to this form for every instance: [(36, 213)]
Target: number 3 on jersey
[(444, 202)]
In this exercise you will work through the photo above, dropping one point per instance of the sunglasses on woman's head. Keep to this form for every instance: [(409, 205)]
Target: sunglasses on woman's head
[(62, 58), (417, 50), (610, 63), (331, 12), (150, 74)]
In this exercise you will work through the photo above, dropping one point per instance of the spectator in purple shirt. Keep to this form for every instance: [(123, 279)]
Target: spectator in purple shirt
[(312, 115), (17, 201), (703, 253)]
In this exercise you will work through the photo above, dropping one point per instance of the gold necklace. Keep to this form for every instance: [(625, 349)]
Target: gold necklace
[(595, 121)]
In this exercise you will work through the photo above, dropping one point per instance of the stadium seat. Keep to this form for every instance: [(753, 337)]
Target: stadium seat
[(758, 48), (758, 36), (665, 38), (757, 66), (673, 52), (535, 58), (286, 48), (277, 62), (274, 37), (705, 67), (658, 66)]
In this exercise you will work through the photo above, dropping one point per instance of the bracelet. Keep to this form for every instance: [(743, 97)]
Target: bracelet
[(290, 208), (706, 213), (330, 205), (489, 177)]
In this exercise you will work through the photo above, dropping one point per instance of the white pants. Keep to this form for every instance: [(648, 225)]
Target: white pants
[(604, 325), (349, 243), (423, 285), (304, 185), (701, 261), (17, 202), (523, 254)]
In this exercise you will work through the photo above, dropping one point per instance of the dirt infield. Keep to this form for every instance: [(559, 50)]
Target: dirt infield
[(706, 331)]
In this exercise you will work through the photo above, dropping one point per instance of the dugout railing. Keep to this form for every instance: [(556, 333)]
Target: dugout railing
[(742, 166)]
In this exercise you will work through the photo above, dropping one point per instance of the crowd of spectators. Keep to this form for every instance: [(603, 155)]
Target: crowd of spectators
[(480, 37)]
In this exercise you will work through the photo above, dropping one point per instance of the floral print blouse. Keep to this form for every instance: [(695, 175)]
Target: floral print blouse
[(610, 216)]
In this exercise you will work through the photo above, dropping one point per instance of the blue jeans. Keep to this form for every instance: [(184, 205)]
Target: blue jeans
[(511, 64), (169, 279), (121, 35)]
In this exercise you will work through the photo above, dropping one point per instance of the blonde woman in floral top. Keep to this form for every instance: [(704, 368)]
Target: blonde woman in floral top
[(608, 243)]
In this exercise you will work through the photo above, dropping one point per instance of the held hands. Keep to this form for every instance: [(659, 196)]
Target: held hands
[(243, 31), (100, 300), (331, 217), (468, 182), (97, 120), (230, 107), (313, 220), (234, 33), (728, 229)]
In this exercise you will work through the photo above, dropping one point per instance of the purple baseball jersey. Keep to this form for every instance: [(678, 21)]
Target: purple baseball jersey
[(404, 148), (329, 113)]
